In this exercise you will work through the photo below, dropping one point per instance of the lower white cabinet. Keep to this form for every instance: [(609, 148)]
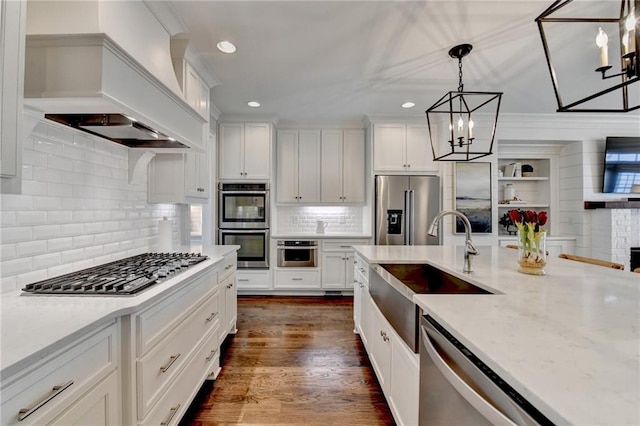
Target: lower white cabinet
[(228, 296), (338, 263), (77, 384), (296, 279), (253, 280), (396, 366)]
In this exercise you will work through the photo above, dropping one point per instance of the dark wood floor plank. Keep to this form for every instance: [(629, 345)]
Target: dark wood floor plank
[(294, 361)]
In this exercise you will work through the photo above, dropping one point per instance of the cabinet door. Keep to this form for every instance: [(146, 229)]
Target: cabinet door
[(231, 162), (166, 179), (332, 166), (99, 406), (191, 87), (405, 382), (353, 166), (287, 166), (309, 166), (348, 270), (257, 151), (419, 152), (389, 147), (333, 273), (381, 349), (196, 174), (357, 302), (231, 304), (366, 318), (203, 99)]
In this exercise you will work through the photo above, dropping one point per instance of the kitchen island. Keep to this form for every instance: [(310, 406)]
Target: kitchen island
[(117, 359), (568, 341)]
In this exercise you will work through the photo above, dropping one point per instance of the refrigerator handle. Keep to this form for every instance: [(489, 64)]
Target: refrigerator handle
[(412, 216), (407, 222)]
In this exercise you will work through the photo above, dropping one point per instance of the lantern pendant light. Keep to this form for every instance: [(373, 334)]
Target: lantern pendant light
[(465, 141)]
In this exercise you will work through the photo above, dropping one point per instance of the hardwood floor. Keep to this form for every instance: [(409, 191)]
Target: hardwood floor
[(294, 360)]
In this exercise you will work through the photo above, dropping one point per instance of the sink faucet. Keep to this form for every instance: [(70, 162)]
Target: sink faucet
[(469, 248)]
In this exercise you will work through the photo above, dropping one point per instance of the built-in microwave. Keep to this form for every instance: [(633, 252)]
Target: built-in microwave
[(297, 254)]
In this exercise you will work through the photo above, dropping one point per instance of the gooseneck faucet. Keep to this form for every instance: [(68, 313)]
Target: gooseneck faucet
[(469, 248)]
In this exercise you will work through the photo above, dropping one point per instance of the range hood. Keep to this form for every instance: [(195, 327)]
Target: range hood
[(88, 82)]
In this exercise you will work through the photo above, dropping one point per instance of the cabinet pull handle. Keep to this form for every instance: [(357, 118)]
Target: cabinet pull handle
[(296, 279), (230, 285), (345, 246), (171, 415), (172, 359), (212, 316), (211, 355), (361, 269), (243, 279), (55, 391)]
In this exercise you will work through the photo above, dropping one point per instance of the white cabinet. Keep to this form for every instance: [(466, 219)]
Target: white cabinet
[(180, 178), (400, 147), (298, 166), (253, 280), (12, 47), (296, 279), (343, 166), (229, 296), (396, 366), (245, 151), (196, 91), (338, 263), (76, 383)]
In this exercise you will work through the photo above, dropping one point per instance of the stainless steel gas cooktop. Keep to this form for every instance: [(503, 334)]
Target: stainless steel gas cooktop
[(122, 277)]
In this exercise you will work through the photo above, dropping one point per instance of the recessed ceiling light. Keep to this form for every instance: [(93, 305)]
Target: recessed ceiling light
[(226, 47), (253, 104), (408, 105)]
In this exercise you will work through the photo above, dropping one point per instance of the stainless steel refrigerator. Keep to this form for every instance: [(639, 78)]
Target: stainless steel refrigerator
[(405, 207)]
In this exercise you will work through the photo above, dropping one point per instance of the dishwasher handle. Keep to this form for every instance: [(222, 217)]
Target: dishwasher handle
[(484, 407)]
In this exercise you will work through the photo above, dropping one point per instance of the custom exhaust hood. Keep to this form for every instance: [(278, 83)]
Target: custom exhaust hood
[(90, 83)]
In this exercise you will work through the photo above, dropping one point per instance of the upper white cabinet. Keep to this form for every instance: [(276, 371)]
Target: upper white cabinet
[(343, 168), (196, 90), (400, 147), (245, 151), (298, 166), (12, 48), (180, 178)]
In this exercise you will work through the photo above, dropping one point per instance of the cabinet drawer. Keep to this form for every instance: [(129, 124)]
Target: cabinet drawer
[(153, 323), (160, 365), (253, 280), (228, 266), (175, 401), (297, 279), (360, 265), (42, 389), (342, 245)]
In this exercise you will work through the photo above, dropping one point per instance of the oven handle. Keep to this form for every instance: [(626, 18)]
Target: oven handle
[(297, 248), (244, 193), (244, 231)]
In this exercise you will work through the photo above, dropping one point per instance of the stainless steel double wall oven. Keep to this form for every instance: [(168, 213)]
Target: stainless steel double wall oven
[(243, 219)]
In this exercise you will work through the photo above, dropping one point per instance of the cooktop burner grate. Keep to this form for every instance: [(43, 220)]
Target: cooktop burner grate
[(122, 277)]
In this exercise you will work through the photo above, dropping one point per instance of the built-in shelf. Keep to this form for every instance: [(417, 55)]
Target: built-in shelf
[(527, 205), (523, 178), (620, 204)]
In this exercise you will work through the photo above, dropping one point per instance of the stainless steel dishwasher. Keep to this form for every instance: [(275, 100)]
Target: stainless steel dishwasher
[(457, 388)]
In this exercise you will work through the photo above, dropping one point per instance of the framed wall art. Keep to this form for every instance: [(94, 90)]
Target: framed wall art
[(472, 196)]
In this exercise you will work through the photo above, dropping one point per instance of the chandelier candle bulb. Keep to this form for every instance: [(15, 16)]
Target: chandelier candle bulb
[(601, 41)]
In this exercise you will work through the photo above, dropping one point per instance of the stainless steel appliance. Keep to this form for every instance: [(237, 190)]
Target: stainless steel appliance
[(254, 246), (405, 206), (243, 206), (297, 254), (392, 287), (243, 219), (120, 278), (457, 388)]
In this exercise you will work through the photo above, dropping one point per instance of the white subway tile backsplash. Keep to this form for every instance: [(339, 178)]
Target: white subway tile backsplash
[(9, 284), (32, 218), (83, 241), (8, 218), (56, 271), (16, 234), (63, 216), (34, 158), (70, 256), (47, 203), (59, 244), (95, 251), (59, 163), (83, 216), (16, 267), (15, 202), (8, 251), (45, 261), (46, 232), (72, 229), (30, 187), (59, 189), (31, 277)]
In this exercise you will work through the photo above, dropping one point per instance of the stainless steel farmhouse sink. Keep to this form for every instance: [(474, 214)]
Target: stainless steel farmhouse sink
[(392, 287)]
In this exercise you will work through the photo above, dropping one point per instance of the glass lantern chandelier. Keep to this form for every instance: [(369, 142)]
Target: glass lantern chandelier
[(584, 79), (466, 139)]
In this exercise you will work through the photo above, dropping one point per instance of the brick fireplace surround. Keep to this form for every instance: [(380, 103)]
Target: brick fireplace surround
[(614, 232)]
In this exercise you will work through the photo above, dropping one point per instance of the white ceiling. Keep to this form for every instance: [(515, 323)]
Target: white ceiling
[(338, 61)]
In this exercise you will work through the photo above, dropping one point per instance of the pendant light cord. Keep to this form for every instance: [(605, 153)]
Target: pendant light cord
[(460, 85)]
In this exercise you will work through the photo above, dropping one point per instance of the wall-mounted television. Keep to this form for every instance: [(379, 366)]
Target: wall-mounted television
[(621, 164)]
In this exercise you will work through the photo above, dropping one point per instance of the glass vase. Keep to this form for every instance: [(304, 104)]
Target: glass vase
[(532, 252)]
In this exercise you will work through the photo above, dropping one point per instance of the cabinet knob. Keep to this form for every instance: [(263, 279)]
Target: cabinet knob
[(408, 165)]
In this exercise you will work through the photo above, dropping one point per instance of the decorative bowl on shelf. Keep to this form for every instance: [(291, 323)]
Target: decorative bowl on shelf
[(527, 170)]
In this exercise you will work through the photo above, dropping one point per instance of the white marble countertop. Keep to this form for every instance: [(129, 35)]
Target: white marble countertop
[(568, 341), (326, 235), (33, 326)]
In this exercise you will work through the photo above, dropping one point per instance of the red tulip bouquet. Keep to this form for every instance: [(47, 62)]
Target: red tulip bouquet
[(531, 239)]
